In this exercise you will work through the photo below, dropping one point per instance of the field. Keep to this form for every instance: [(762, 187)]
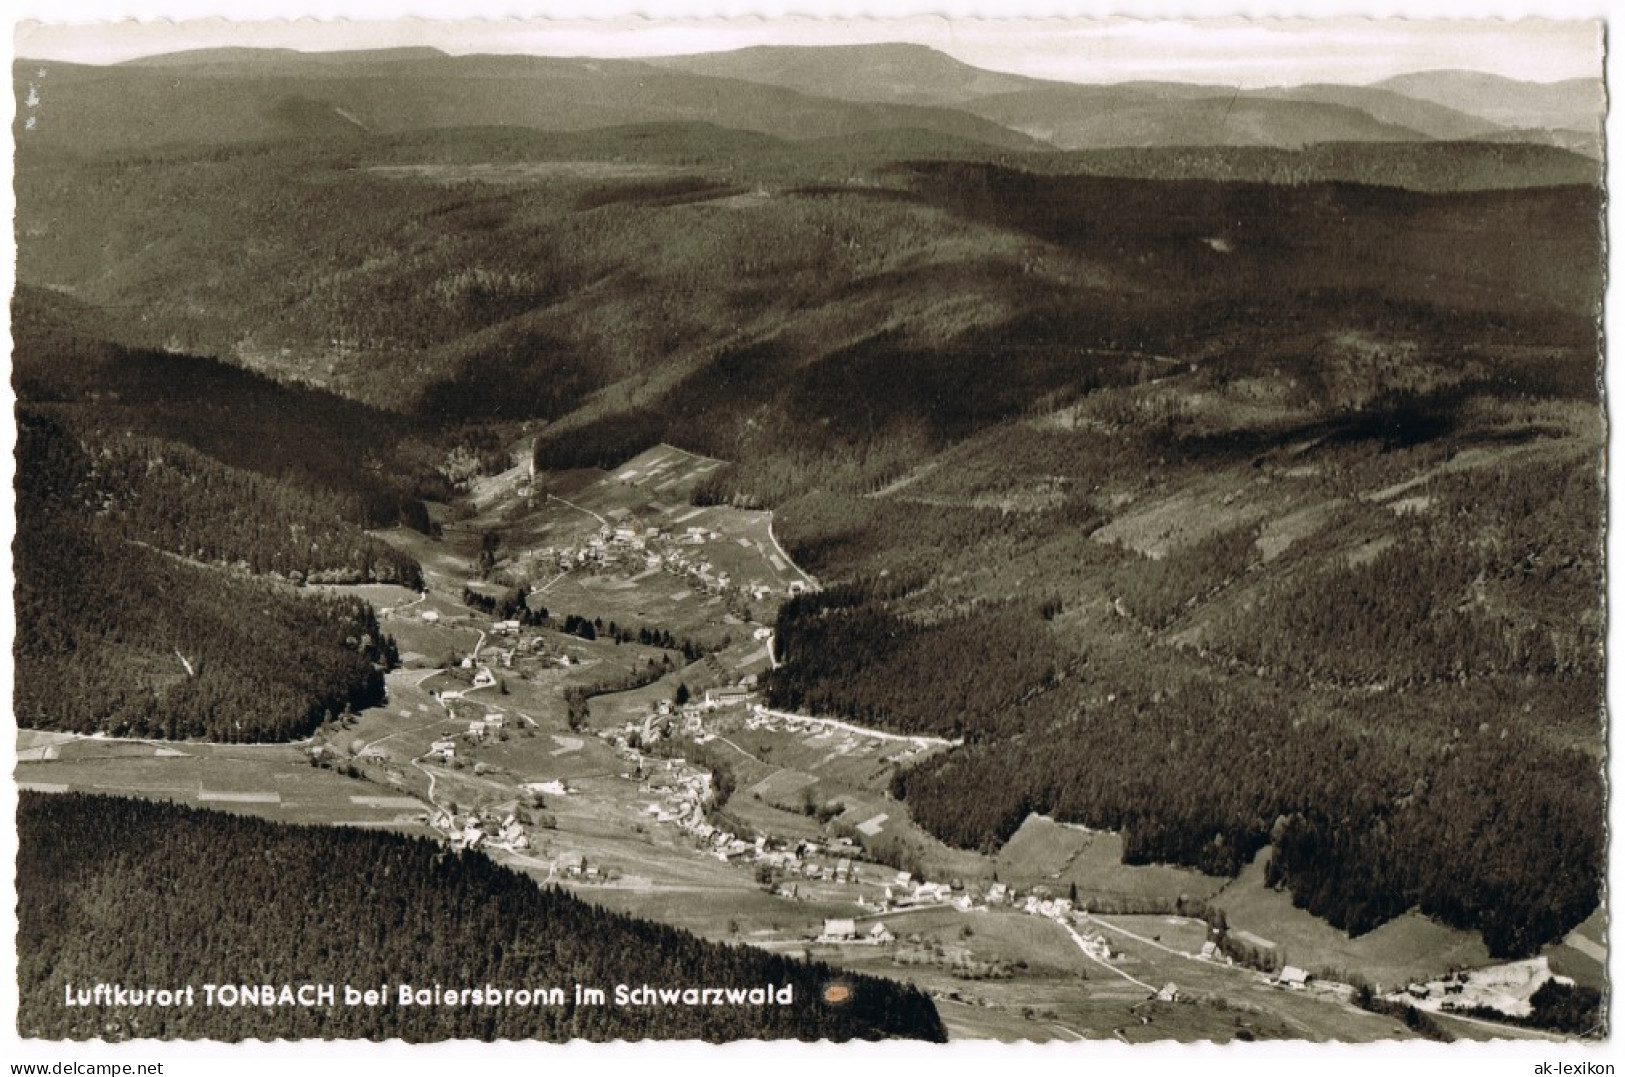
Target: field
[(273, 782), (1583, 954), (1058, 855), (1060, 995), (1400, 951)]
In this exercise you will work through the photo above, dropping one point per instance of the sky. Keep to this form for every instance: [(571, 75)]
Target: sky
[(1232, 51)]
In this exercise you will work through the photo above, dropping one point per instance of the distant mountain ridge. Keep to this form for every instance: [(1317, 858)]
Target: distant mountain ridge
[(791, 92), (1448, 105), (1571, 104), (891, 73), (241, 55), (1104, 117), (221, 100)]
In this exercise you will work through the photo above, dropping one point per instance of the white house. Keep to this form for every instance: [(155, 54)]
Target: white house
[(839, 931), (1292, 976)]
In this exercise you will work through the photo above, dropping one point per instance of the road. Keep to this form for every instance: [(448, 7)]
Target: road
[(1077, 940), (744, 753), (388, 610), (542, 590), (848, 727), (1512, 1032), (1148, 942), (427, 773), (774, 539), (440, 720), (578, 508)]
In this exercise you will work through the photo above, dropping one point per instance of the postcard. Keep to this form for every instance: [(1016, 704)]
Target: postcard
[(929, 530)]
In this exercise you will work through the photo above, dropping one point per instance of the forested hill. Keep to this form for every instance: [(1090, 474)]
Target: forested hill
[(356, 462), (129, 639), (269, 903)]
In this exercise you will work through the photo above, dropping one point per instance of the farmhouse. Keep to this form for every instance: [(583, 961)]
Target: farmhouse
[(839, 931), (1294, 977)]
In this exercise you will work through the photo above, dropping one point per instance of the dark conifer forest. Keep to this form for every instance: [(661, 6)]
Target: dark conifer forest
[(126, 637), (106, 886)]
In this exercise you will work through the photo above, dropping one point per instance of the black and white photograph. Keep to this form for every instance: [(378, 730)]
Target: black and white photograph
[(1076, 531)]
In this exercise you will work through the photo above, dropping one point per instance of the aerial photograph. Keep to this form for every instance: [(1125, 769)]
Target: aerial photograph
[(796, 530)]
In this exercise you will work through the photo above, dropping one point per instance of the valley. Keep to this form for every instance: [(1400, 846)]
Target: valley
[(510, 736), (954, 530)]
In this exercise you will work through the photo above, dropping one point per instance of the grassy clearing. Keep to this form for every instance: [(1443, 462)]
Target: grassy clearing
[(1044, 852), (1409, 948), (382, 595), (1582, 956), (1180, 933), (303, 794)]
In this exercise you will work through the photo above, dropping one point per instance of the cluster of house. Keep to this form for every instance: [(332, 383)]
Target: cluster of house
[(889, 749), (684, 791), (487, 828), (629, 545), (680, 792), (444, 750), (1507, 987), (903, 892), (622, 544), (686, 718), (1095, 945), (809, 861)]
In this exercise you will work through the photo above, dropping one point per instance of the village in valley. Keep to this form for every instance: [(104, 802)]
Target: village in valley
[(580, 696)]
